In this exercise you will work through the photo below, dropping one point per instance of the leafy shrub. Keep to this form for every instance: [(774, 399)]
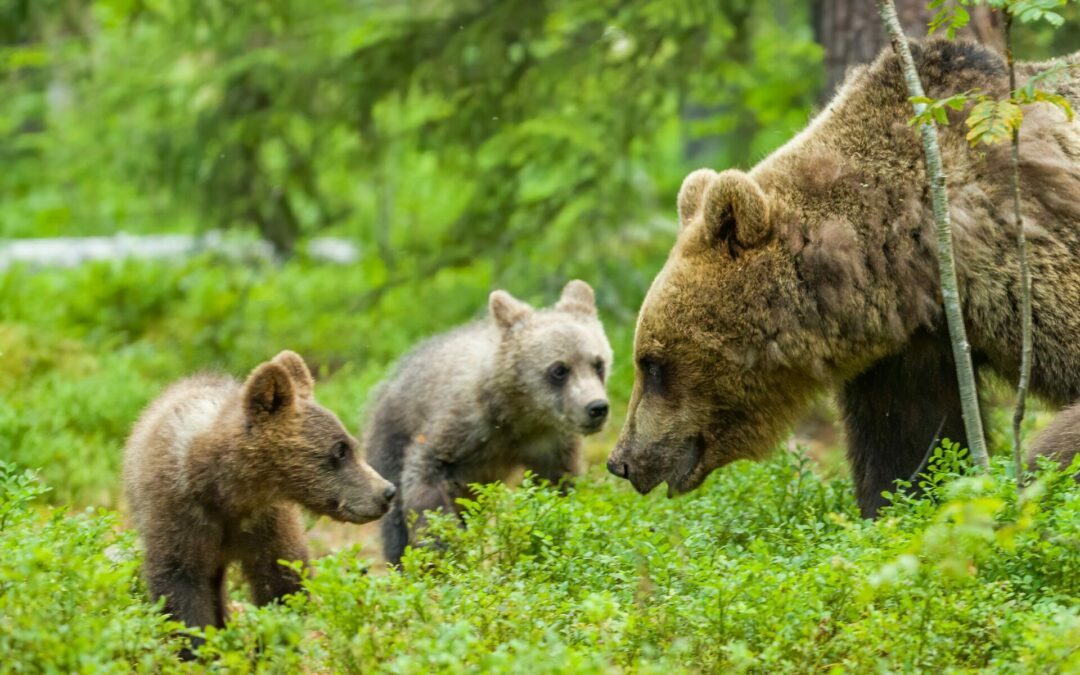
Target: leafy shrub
[(767, 568), (83, 350), (70, 598)]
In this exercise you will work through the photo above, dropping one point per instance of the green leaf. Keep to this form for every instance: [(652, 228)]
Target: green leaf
[(1028, 11), (933, 110), (993, 122)]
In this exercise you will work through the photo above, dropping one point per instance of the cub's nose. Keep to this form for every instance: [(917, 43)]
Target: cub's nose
[(389, 492), (597, 410), (618, 468)]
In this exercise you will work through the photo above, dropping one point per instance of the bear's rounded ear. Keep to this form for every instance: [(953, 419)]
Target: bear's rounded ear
[(578, 298), (507, 310), (693, 188), (268, 392), (296, 368), (734, 212)]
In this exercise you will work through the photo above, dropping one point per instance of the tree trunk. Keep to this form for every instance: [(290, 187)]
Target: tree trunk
[(965, 373), (851, 32)]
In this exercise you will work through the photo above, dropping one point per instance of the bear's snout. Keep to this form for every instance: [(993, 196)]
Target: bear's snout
[(597, 411), (389, 492)]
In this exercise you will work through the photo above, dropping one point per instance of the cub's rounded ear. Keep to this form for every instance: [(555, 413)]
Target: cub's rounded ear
[(577, 297), (507, 310), (734, 212), (296, 368), (690, 194), (268, 392)]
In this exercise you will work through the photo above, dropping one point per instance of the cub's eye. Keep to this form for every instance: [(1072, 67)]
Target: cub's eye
[(559, 372), (653, 373), (340, 450), (598, 366)]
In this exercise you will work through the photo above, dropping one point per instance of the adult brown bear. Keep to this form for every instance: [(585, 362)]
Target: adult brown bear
[(817, 270)]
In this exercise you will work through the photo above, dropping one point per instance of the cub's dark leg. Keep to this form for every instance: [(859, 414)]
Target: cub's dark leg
[(193, 595), (185, 565), (893, 412), (385, 451), (395, 534), (425, 487), (273, 536)]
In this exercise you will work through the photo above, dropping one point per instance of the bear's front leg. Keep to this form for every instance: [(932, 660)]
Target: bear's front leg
[(426, 486), (898, 410), (275, 535), (193, 595), (558, 461)]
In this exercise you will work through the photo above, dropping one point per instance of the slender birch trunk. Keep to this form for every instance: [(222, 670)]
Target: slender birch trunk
[(1025, 272), (965, 373)]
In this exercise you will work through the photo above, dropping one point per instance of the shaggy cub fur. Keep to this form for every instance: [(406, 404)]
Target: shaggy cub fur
[(213, 471), (517, 388)]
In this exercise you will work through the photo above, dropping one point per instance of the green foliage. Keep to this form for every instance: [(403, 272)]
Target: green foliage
[(1029, 11), (462, 145), (70, 598), (993, 121), (928, 110), (1031, 93), (952, 16), (431, 133), (768, 568), (83, 350)]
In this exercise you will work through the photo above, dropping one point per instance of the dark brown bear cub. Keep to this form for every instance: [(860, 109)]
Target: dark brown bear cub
[(213, 471)]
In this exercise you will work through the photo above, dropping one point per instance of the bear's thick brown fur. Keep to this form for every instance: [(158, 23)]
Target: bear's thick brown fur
[(213, 471), (1060, 441), (818, 269)]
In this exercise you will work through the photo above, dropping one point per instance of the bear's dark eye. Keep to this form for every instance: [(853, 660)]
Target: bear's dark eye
[(653, 373), (559, 372), (340, 451), (598, 366)]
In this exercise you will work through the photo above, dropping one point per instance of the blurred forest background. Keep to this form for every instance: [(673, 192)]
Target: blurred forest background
[(460, 145)]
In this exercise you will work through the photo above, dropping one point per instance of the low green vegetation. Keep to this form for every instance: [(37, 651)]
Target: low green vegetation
[(83, 350), (460, 146), (767, 568)]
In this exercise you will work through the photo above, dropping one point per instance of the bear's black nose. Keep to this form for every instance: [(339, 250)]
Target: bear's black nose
[(618, 468), (389, 492), (597, 410)]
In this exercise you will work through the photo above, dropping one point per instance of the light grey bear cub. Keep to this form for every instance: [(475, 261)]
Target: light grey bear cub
[(517, 388)]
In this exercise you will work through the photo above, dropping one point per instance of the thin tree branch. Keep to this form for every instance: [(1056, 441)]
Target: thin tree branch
[(965, 372), (929, 451), (1025, 271)]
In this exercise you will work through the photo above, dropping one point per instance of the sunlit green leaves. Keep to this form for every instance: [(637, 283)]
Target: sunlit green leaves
[(1031, 91), (952, 15), (1029, 11), (993, 121), (929, 110)]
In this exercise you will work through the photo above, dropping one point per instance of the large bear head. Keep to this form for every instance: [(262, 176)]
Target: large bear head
[(718, 307), (739, 330)]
